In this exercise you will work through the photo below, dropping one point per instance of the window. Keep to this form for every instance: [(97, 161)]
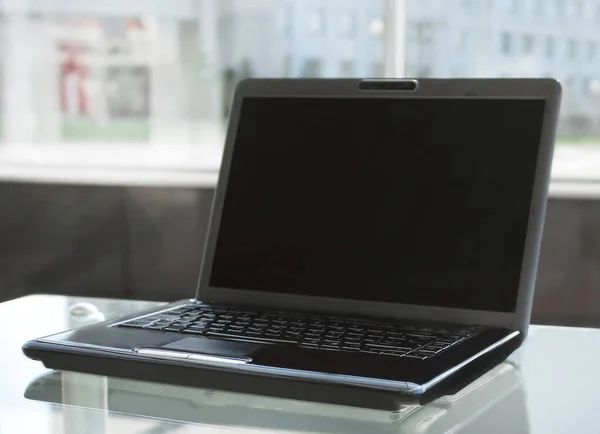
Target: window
[(316, 21), (376, 69), (347, 68), (570, 84), (505, 43), (528, 44), (464, 39), (348, 24), (587, 86), (376, 27), (150, 84), (152, 79), (549, 46), (595, 88), (287, 18), (588, 9), (424, 71), (591, 51), (312, 68), (425, 33), (571, 49), (541, 7), (552, 7), (459, 39), (516, 6), (532, 7), (573, 8), (288, 64)]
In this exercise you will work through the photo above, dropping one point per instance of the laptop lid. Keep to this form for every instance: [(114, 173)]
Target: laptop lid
[(422, 200)]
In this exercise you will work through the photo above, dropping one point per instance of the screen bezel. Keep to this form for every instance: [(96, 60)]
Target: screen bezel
[(548, 90)]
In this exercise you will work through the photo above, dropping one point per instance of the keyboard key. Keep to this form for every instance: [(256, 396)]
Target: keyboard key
[(180, 323), (173, 328), (163, 317), (301, 324), (155, 326), (312, 335), (383, 347), (350, 345), (292, 333), (135, 325), (309, 345), (424, 352), (414, 356), (272, 334), (261, 338), (193, 331)]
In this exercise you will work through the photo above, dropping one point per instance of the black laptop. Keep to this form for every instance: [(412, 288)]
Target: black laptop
[(370, 240)]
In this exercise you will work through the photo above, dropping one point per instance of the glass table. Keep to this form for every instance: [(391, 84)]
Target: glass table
[(549, 385)]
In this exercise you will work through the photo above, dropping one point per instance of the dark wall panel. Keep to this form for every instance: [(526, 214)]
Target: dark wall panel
[(167, 228), (61, 239), (568, 283), (146, 243)]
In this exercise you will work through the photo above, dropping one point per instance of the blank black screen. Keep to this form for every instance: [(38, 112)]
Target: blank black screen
[(415, 201)]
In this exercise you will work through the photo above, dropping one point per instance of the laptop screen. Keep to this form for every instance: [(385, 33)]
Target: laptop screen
[(413, 201)]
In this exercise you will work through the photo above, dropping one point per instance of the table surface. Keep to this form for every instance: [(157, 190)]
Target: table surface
[(549, 385)]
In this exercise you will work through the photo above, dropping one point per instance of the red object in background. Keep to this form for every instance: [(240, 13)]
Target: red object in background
[(72, 66)]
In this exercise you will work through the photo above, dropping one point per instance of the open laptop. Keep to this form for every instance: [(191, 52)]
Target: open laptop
[(369, 241)]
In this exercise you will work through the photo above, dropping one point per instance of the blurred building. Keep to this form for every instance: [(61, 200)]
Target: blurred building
[(308, 38), (164, 72), (139, 70), (513, 38)]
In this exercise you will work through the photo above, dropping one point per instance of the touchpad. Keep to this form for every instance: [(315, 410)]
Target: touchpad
[(214, 346)]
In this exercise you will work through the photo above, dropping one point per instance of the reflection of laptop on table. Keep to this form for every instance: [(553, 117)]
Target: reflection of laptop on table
[(376, 236), (498, 392)]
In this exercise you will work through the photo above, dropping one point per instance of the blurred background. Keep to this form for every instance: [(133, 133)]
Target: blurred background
[(112, 120)]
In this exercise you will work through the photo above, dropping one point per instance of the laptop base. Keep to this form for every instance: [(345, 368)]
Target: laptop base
[(129, 366)]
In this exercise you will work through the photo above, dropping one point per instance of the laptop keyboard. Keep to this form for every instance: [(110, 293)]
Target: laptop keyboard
[(323, 333)]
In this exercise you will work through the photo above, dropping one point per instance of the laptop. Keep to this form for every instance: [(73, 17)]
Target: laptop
[(370, 241)]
